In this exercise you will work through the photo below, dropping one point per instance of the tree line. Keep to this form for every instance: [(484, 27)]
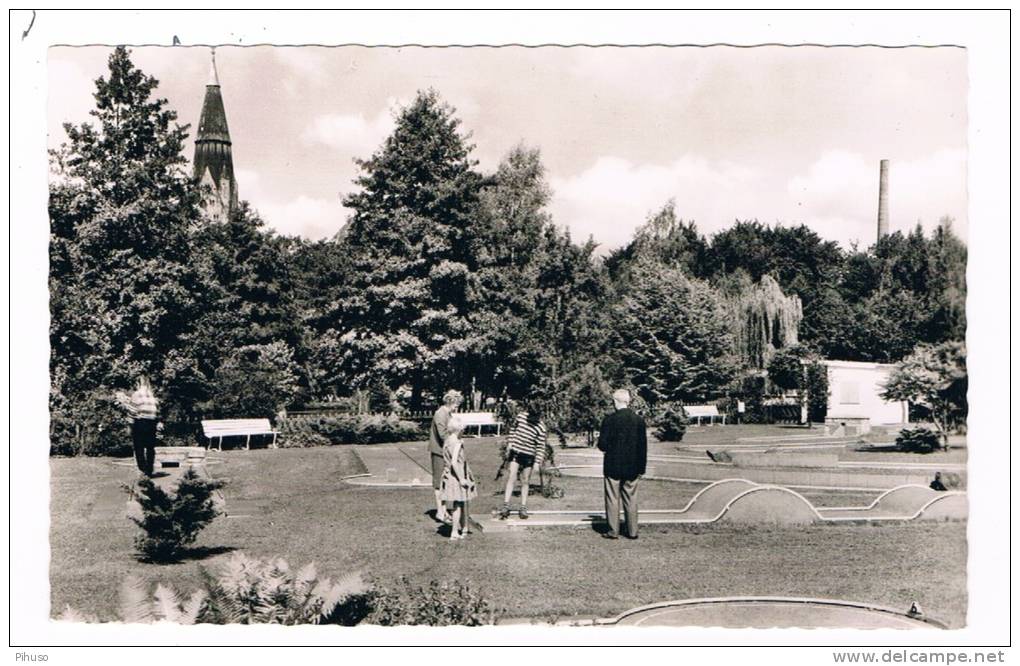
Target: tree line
[(443, 276)]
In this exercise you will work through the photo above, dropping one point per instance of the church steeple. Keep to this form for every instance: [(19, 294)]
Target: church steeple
[(214, 164)]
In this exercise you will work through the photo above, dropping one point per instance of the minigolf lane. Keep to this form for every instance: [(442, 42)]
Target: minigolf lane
[(742, 501), (393, 466), (774, 612)]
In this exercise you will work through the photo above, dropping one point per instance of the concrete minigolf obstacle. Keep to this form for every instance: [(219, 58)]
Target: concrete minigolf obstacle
[(771, 505), (907, 502), (711, 501), (744, 502)]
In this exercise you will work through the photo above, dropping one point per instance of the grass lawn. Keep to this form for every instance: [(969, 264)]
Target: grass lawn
[(299, 509)]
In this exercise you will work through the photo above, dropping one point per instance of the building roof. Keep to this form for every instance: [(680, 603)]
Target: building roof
[(212, 142), (212, 126)]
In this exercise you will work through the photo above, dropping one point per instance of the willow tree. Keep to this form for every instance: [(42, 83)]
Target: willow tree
[(764, 320)]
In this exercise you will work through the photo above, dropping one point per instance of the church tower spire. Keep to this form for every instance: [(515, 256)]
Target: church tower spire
[(214, 164)]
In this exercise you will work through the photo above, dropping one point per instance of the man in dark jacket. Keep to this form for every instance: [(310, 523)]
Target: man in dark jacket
[(624, 440)]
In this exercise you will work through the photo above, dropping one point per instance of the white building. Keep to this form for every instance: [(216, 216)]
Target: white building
[(855, 400)]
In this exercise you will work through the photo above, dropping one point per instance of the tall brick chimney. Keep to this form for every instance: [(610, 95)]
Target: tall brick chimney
[(883, 198)]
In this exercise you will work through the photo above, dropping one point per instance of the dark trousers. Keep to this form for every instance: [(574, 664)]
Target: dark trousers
[(625, 490), (143, 436)]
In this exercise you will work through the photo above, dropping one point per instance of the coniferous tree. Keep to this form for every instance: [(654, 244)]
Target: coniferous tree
[(414, 254), (666, 238), (673, 339), (124, 289)]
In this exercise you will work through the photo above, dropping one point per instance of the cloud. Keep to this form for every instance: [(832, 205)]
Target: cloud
[(302, 216), (70, 92), (248, 180), (838, 195), (353, 134), (614, 196), (306, 66)]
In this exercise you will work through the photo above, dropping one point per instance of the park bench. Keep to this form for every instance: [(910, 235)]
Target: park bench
[(219, 428), (479, 420), (698, 412)]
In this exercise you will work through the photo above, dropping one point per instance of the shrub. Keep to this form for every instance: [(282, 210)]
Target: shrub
[(381, 429), (170, 522), (252, 591), (752, 391), (671, 424), (552, 491), (300, 432), (347, 429), (818, 391), (437, 604), (918, 440)]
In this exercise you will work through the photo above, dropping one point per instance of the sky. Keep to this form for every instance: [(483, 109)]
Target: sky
[(782, 135)]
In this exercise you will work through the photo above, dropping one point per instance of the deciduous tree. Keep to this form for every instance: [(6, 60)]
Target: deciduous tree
[(934, 376)]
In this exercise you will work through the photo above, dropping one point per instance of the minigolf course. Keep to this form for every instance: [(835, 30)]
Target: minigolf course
[(773, 612), (745, 502), (403, 466), (803, 470)]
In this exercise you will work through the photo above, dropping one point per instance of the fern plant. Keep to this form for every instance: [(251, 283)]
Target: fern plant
[(171, 522), (246, 591), (252, 591), (165, 604), (138, 606)]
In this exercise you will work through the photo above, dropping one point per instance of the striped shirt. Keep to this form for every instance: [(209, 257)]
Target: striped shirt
[(528, 438), (142, 404)]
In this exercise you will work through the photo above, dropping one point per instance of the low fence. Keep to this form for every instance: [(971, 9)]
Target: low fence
[(326, 412)]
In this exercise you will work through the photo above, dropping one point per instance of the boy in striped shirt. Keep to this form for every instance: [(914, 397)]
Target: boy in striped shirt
[(525, 449)]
